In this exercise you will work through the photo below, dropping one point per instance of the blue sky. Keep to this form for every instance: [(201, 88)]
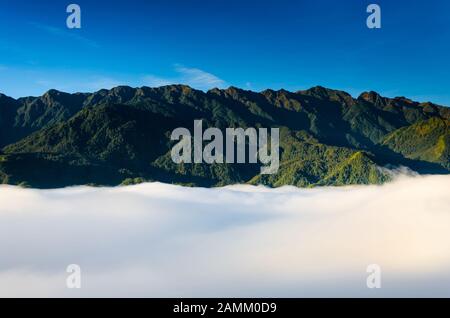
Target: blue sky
[(247, 43)]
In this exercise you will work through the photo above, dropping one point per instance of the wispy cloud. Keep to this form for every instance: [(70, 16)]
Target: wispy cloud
[(199, 78), (193, 77), (41, 80), (65, 34), (155, 81)]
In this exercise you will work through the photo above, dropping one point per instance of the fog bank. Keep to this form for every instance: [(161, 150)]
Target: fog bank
[(159, 240)]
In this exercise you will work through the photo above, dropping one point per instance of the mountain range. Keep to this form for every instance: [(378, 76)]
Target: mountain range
[(122, 136)]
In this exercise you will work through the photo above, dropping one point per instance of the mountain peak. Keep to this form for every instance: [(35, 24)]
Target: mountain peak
[(5, 97), (232, 91), (271, 92), (7, 101), (371, 97), (321, 92), (123, 91), (52, 93), (180, 89), (318, 90)]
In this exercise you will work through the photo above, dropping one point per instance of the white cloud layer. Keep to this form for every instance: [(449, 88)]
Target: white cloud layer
[(161, 240)]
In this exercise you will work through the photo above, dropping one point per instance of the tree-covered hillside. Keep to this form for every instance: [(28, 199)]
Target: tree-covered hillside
[(122, 136)]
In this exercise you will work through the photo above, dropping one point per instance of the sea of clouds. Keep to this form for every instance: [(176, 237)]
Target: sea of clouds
[(159, 240)]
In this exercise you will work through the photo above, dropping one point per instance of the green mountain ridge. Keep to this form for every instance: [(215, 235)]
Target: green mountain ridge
[(427, 140), (122, 136)]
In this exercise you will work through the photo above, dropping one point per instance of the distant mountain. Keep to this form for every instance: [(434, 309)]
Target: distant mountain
[(122, 136)]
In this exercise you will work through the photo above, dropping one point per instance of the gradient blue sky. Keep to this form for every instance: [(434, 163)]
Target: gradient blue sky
[(251, 44)]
